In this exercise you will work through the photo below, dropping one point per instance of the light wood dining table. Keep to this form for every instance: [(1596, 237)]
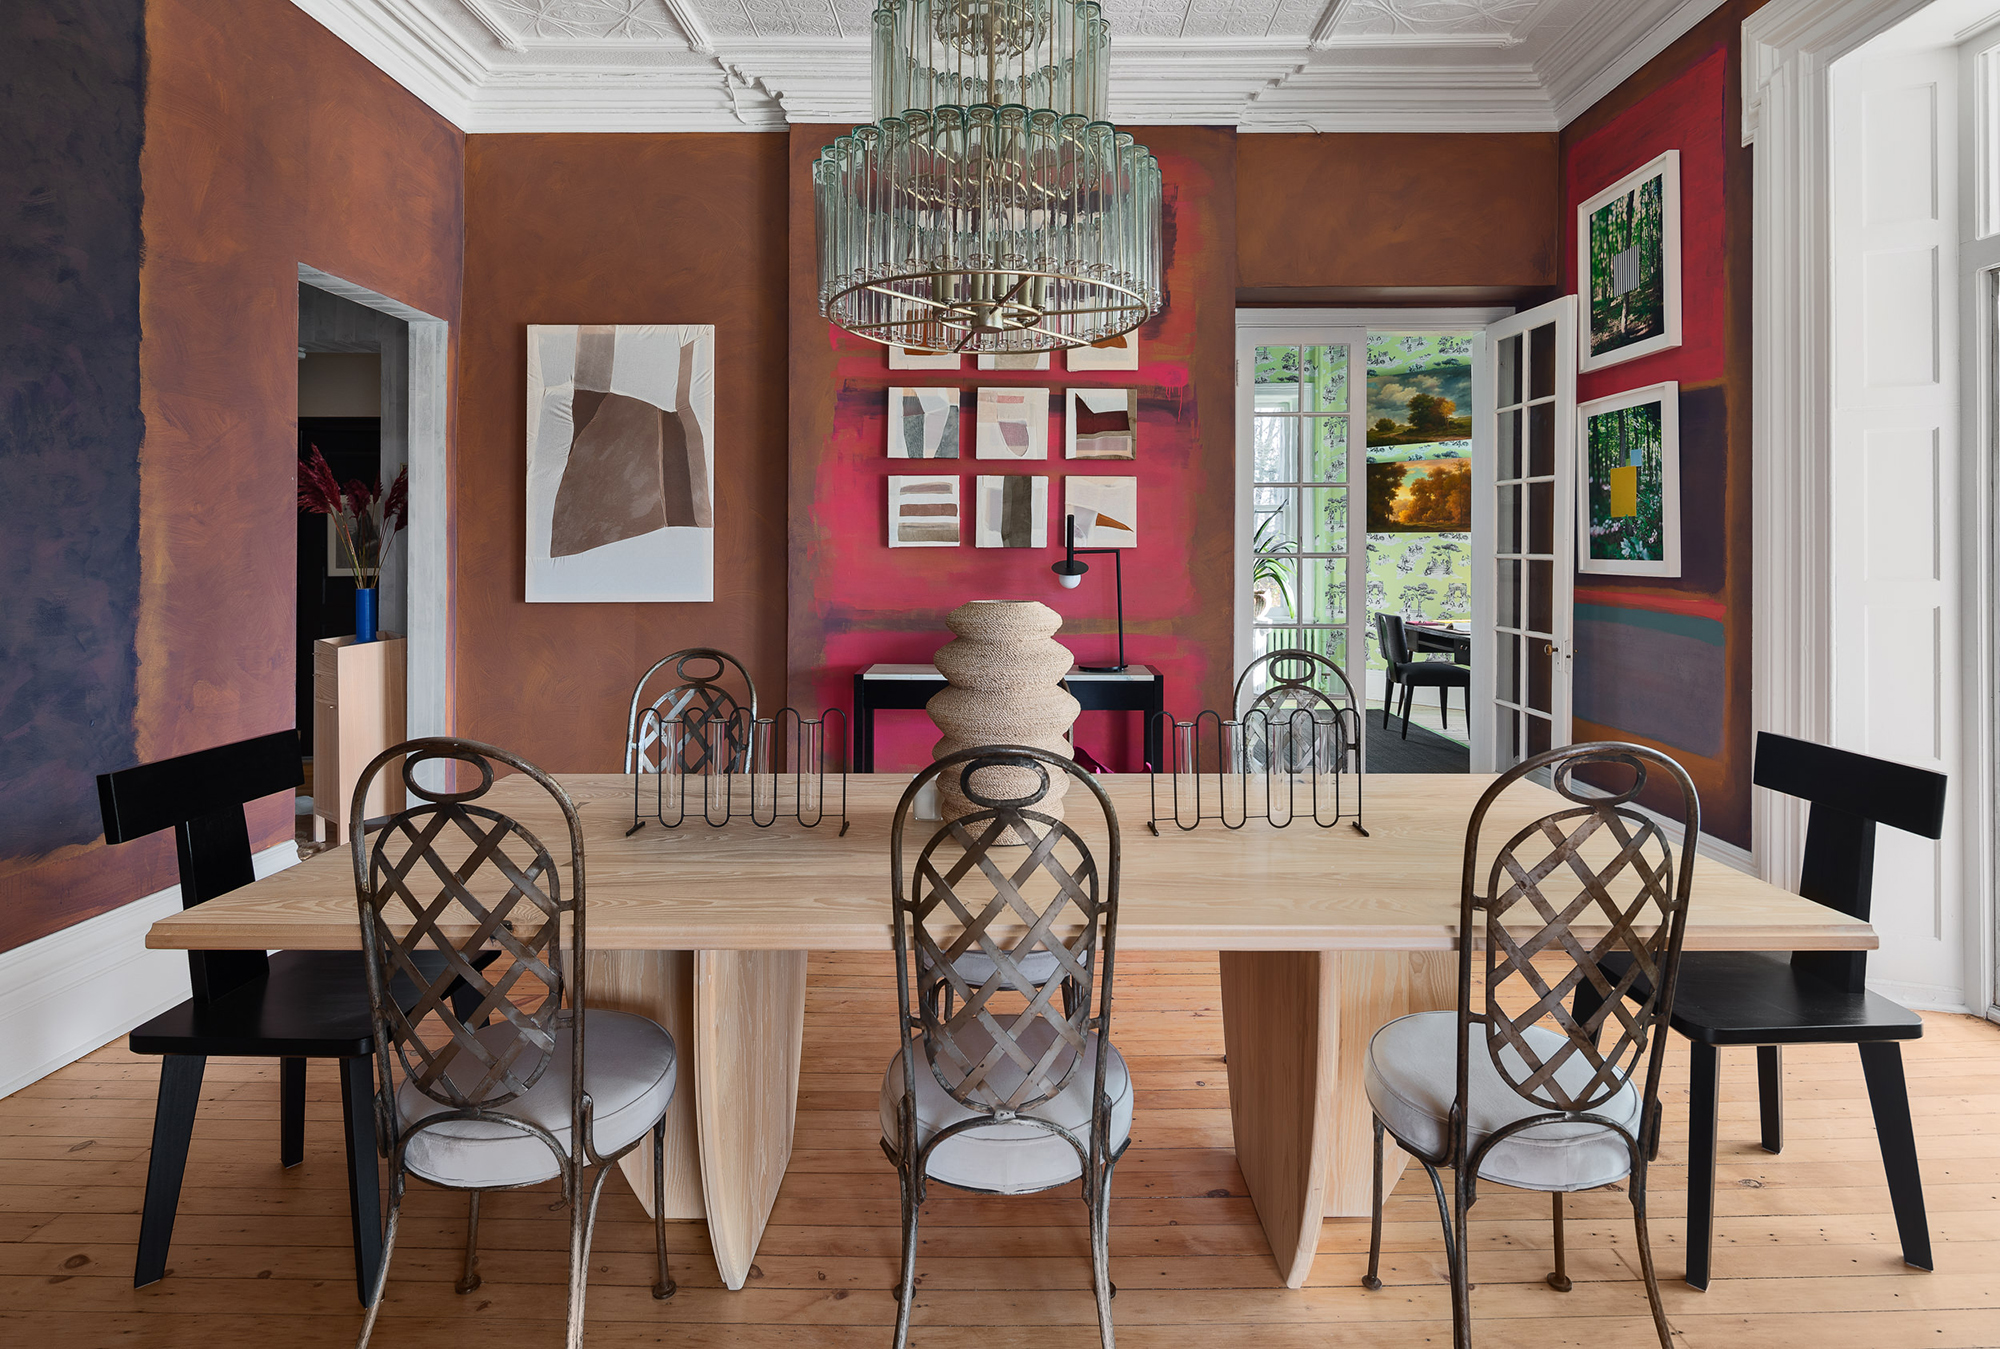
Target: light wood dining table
[(1324, 936)]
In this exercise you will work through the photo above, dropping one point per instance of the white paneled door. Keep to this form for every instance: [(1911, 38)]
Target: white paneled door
[(1895, 480), (1524, 470)]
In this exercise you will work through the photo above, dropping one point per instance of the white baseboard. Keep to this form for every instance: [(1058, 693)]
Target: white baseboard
[(1923, 997), (79, 989)]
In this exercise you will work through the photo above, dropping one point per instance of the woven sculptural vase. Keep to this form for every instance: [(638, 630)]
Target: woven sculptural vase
[(1002, 687)]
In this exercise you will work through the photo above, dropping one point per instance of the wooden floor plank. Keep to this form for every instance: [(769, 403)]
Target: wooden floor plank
[(1806, 1251)]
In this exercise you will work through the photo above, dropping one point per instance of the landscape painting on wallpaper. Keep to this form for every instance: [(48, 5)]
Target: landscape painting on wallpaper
[(923, 512), (1106, 511), (1013, 512), (1628, 265), (1113, 353), (923, 423), (621, 463), (1012, 424), (1101, 424), (1629, 459)]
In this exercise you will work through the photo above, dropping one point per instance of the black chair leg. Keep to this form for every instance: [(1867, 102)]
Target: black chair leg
[(291, 1111), (364, 1197), (1444, 706), (173, 1126), (1409, 690), (1771, 1096), (1388, 697), (1704, 1094), (1889, 1097)]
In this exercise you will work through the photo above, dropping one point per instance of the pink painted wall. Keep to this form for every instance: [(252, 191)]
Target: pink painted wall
[(855, 601)]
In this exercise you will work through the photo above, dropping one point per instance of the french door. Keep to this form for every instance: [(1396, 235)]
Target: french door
[(1524, 491)]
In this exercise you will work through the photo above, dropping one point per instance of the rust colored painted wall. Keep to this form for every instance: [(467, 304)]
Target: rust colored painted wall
[(615, 229), (1667, 662), (854, 601), (1338, 217), (268, 143)]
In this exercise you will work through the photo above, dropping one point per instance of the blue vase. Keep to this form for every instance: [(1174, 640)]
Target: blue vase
[(364, 615)]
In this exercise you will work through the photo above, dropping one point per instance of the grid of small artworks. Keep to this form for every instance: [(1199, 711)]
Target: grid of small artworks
[(1012, 423)]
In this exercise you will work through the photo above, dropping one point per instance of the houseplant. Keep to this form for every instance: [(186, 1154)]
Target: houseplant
[(367, 519)]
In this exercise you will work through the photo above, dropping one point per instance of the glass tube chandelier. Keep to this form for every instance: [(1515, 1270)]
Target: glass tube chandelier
[(989, 207)]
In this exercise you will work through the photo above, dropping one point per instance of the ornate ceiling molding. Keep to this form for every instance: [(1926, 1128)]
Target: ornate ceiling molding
[(1260, 65)]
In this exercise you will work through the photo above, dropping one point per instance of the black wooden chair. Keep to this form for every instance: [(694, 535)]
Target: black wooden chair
[(1773, 999), (292, 1006), (1414, 674)]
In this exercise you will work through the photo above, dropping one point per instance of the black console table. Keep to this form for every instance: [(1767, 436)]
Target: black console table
[(878, 688)]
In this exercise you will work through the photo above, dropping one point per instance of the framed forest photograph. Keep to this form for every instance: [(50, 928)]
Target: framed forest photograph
[(1629, 459), (1628, 266)]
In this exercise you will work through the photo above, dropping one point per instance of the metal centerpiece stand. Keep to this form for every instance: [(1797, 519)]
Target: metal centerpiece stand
[(766, 768)]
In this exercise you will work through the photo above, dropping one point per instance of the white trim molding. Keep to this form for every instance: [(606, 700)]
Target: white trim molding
[(1788, 49), (77, 990)]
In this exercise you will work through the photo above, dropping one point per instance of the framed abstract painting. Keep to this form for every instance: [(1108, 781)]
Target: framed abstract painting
[(1629, 493), (621, 463), (1628, 266)]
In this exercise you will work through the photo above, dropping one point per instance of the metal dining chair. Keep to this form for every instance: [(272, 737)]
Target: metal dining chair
[(1285, 686), (697, 693), (1517, 1090), (1771, 999), (502, 1096), (1006, 1087)]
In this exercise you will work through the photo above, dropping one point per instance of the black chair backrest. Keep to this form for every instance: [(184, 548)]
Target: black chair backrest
[(1395, 641), (1850, 794), (200, 796), (1599, 863)]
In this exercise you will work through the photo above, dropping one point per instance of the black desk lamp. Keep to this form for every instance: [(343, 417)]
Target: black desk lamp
[(1070, 572)]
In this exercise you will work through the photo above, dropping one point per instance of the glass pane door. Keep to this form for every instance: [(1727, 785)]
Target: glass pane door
[(1524, 670), (1306, 560)]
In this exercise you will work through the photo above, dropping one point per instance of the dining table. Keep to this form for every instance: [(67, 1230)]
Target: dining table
[(1323, 935)]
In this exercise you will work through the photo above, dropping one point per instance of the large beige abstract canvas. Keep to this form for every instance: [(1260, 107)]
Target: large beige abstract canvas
[(621, 463)]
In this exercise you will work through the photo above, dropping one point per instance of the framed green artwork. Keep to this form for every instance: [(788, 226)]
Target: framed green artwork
[(1628, 266), (1629, 460)]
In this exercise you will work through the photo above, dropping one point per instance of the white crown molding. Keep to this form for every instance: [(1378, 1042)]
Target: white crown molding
[(410, 48), (74, 991), (1334, 98), (1604, 50)]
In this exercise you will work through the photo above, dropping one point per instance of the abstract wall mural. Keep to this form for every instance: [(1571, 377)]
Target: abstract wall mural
[(1101, 424), (923, 512), (1012, 424), (621, 463), (1013, 512), (1106, 511), (1014, 360), (923, 423)]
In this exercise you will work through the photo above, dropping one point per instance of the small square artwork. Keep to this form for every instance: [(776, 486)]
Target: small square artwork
[(902, 358), (1012, 424), (1629, 462), (621, 463), (1014, 360), (1113, 353), (1013, 512), (923, 423), (1101, 424), (1628, 252), (923, 512), (1106, 511)]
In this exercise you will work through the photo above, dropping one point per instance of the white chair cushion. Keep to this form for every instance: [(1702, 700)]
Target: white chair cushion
[(976, 967), (1412, 1078), (629, 1071), (1010, 1158)]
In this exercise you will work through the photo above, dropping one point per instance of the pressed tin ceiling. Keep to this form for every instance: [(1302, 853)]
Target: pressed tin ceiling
[(1262, 65)]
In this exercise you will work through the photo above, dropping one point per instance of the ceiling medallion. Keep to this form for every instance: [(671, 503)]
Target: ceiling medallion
[(989, 206)]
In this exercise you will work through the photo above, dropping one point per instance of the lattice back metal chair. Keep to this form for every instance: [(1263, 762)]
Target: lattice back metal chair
[(697, 693), (1282, 689), (1009, 1085), (1534, 1102), (497, 1092)]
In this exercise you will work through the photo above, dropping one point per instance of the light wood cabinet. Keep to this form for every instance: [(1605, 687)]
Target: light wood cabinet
[(357, 713)]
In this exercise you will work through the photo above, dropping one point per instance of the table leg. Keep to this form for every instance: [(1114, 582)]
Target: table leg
[(864, 728), (659, 984), (1296, 1026), (749, 1017)]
